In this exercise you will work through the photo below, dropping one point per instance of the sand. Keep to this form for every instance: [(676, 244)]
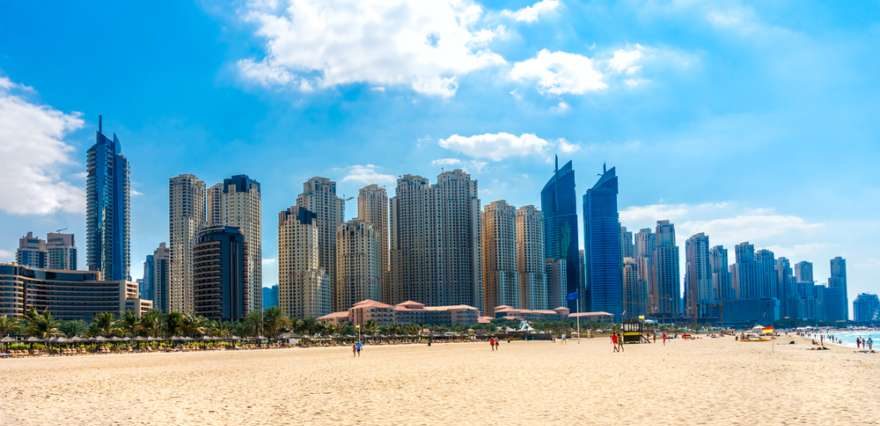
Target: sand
[(708, 381)]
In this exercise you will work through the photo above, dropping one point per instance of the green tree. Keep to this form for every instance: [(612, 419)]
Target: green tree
[(9, 326), (174, 324), (73, 328), (129, 323), (274, 322), (40, 325), (103, 324), (151, 324)]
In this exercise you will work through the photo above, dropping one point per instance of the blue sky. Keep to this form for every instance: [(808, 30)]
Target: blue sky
[(749, 121)]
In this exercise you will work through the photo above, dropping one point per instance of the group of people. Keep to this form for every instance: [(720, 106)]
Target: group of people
[(867, 344), (494, 343), (356, 349), (617, 342)]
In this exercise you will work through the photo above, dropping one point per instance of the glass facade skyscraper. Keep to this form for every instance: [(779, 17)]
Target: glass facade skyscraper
[(602, 253), (108, 206), (559, 204)]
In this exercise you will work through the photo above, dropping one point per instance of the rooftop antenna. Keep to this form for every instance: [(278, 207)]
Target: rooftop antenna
[(604, 168), (100, 122), (556, 159)]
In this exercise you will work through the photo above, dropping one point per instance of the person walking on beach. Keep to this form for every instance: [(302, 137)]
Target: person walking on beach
[(663, 336), (354, 350), (357, 348), (858, 343), (620, 341), (492, 343), (614, 341), (870, 344)]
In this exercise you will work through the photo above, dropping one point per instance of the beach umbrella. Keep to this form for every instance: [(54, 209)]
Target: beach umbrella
[(8, 339), (100, 339), (76, 339), (33, 339)]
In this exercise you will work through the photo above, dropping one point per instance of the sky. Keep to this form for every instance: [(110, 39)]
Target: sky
[(750, 121)]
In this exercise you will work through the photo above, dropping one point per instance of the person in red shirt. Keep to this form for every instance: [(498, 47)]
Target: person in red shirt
[(614, 341)]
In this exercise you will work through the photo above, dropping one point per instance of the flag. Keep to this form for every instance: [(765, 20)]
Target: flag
[(572, 296)]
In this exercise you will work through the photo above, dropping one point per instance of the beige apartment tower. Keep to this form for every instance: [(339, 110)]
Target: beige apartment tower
[(186, 219), (303, 286), (373, 209), (500, 283), (319, 197), (530, 258), (357, 264)]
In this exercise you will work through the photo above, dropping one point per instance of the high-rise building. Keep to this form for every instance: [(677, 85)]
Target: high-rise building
[(62, 251), (32, 252), (721, 284), (303, 286), (162, 278), (240, 205), (559, 205), (500, 278), (220, 285), (319, 197), (557, 280), (108, 205), (803, 272), (866, 308), (435, 240), (186, 218), (147, 286), (602, 252), (665, 300), (627, 247), (530, 258), (645, 242), (786, 289), (635, 291), (746, 281), (765, 273), (373, 209), (701, 301), (358, 263), (270, 297), (837, 283)]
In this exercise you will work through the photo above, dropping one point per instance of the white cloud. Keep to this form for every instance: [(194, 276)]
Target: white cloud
[(34, 153), (501, 146), (269, 261), (532, 13), (473, 166), (443, 162), (560, 73), (426, 46), (562, 107), (5, 255), (367, 174)]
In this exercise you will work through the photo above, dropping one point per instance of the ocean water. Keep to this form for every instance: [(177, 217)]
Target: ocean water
[(848, 338)]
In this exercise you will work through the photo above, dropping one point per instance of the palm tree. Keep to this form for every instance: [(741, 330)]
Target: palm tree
[(274, 322), (250, 325), (8, 325), (102, 324), (174, 323), (151, 324), (129, 323), (72, 328), (40, 325)]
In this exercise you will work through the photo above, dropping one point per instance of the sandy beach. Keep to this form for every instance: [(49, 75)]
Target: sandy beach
[(708, 381)]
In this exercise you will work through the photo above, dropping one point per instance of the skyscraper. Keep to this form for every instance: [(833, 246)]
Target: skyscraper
[(108, 205), (557, 279), (746, 281), (866, 308), (147, 289), (319, 197), (62, 251), (665, 300), (559, 205), (500, 278), (837, 282), (186, 202), (635, 291), (358, 264), (373, 209), (604, 273), (700, 299), (220, 286), (435, 240), (645, 243), (240, 204), (530, 258), (786, 289), (32, 252), (803, 272), (162, 279), (721, 284), (627, 248), (303, 286), (765, 273)]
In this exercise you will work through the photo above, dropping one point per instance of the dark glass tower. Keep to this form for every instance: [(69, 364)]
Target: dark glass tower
[(108, 204), (602, 253), (220, 290), (559, 204)]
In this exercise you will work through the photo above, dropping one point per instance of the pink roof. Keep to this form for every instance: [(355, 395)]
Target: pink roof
[(590, 314), (369, 303), (449, 308), (335, 315)]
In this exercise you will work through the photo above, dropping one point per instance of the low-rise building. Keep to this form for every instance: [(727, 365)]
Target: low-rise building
[(509, 312), (408, 312), (67, 295)]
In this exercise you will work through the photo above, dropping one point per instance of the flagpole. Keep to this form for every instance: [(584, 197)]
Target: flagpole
[(579, 319)]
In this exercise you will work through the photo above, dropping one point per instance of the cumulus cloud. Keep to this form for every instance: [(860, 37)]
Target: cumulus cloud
[(474, 166), (501, 146), (445, 162), (532, 13), (34, 153), (560, 73), (367, 174), (426, 46)]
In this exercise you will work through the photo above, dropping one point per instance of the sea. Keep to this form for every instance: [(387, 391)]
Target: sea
[(848, 338)]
